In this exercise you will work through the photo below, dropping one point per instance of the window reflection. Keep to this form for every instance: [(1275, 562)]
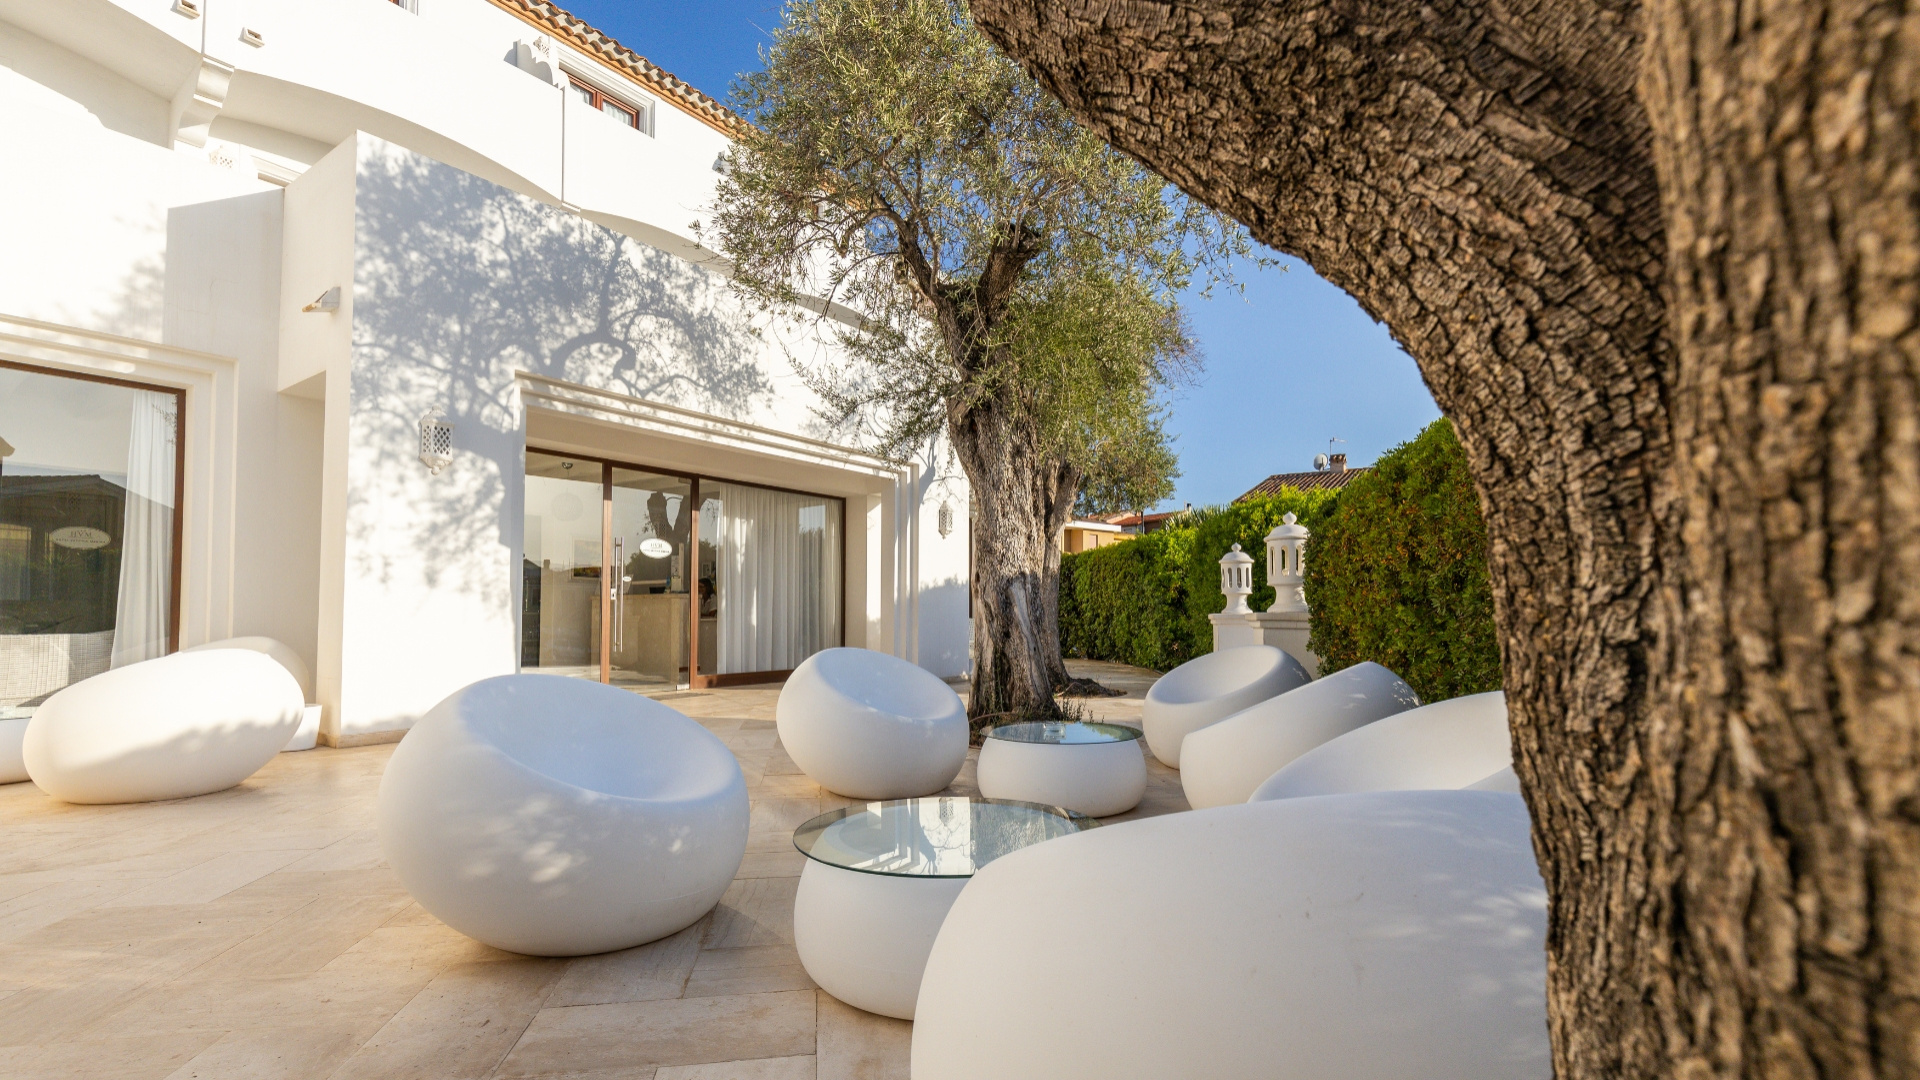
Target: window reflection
[(88, 516)]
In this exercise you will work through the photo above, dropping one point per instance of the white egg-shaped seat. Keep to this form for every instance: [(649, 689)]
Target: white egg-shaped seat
[(179, 725), (308, 733), (280, 652), (871, 726), (1447, 745), (1366, 937), (560, 817), (1208, 689), (1222, 763), (13, 762)]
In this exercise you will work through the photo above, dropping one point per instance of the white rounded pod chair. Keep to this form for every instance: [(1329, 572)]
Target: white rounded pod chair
[(871, 726), (1447, 745), (1222, 763), (308, 733), (279, 651), (558, 817), (185, 724), (13, 762), (1366, 937), (1210, 688)]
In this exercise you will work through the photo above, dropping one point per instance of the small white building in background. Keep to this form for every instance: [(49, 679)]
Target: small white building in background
[(382, 329)]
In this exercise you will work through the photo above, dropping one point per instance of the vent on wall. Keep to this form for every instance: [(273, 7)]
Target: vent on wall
[(436, 443)]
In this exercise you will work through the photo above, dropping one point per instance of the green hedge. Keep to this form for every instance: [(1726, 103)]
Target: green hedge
[(1145, 602), (1397, 573)]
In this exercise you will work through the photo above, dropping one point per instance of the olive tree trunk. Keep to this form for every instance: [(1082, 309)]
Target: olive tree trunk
[(1022, 498), (1659, 266)]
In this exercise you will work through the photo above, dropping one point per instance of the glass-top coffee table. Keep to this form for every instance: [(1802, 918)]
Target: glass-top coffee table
[(879, 880), (1095, 769)]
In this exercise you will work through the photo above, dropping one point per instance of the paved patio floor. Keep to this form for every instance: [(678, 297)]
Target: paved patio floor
[(258, 933)]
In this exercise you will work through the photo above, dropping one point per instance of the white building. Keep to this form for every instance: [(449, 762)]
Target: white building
[(254, 252)]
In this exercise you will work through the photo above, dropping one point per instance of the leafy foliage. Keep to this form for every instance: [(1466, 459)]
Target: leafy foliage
[(903, 168), (1125, 476), (1397, 573), (1145, 601)]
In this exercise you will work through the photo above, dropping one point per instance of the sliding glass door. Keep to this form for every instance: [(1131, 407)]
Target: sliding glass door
[(771, 564), (624, 582), (561, 566), (652, 520), (89, 529)]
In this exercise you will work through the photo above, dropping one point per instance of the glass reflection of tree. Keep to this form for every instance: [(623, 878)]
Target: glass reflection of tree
[(1000, 829)]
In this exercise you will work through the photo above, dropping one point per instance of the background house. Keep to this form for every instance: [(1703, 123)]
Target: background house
[(1336, 475)]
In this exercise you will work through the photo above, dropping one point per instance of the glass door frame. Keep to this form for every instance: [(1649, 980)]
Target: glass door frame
[(179, 475), (609, 577)]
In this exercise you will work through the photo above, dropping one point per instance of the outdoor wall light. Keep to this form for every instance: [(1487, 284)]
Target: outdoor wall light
[(252, 37), (328, 301), (188, 8), (946, 520), (436, 442)]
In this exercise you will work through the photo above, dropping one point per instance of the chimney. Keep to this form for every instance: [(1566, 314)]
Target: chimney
[(1337, 462)]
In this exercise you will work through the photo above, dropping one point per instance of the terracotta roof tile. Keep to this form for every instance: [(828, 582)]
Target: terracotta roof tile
[(565, 27), (1322, 479)]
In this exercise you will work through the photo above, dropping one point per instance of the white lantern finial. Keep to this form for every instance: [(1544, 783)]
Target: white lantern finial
[(1286, 564), (1236, 580)]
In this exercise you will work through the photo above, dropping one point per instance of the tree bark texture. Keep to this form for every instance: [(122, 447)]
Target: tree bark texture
[(1023, 498), (1785, 139), (1698, 473)]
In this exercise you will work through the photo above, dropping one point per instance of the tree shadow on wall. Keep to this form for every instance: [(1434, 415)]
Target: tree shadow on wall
[(459, 283)]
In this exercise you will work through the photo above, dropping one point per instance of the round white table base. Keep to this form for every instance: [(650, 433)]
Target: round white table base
[(1096, 779), (865, 937)]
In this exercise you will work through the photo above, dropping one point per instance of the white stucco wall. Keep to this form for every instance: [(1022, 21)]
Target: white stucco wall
[(457, 284), (562, 244)]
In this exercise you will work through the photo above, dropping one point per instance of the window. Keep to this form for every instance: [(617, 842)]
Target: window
[(619, 110), (89, 534), (740, 590)]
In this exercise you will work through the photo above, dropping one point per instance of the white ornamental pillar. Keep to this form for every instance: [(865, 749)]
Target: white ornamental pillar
[(1286, 624), (1235, 626), (1286, 566)]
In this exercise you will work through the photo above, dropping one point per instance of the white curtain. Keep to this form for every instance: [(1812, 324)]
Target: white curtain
[(146, 533), (779, 557)]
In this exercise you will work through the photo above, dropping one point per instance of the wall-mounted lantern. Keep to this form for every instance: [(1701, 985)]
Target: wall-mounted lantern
[(1236, 580), (1286, 566), (436, 442), (946, 519)]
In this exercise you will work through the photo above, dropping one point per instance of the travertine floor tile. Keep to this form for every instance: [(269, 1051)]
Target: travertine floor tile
[(144, 1058), (356, 851), (685, 1031), (770, 828), (787, 1068), (210, 880), (290, 1052), (756, 969), (856, 1045), (460, 1026), (754, 911), (786, 863), (653, 971)]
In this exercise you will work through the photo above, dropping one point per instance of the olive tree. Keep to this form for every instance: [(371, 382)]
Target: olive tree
[(1659, 263), (999, 280)]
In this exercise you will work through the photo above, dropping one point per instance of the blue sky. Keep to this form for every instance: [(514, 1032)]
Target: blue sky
[(1289, 365)]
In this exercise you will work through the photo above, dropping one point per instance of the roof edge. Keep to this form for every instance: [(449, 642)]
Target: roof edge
[(609, 53)]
